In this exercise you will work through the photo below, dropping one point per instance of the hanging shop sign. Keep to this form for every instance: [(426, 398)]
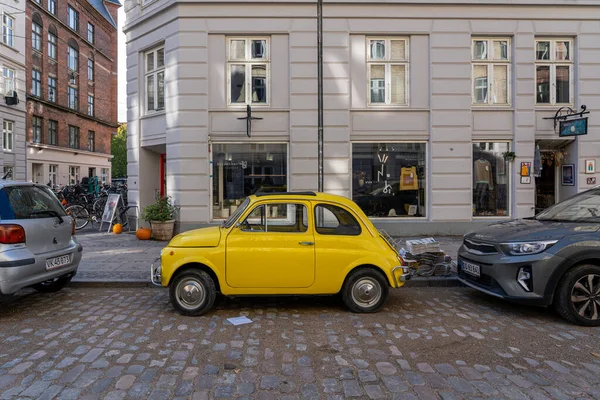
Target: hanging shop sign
[(570, 122)]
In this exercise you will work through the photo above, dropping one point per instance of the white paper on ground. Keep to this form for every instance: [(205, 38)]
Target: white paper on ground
[(239, 320)]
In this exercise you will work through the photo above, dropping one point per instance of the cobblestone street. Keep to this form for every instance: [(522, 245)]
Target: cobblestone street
[(428, 343)]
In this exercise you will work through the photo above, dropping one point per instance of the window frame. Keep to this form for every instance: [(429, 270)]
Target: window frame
[(91, 32), (508, 173), (154, 74), (92, 141), (490, 65), (72, 12), (73, 137), (8, 136), (37, 43), (52, 46), (8, 38), (52, 84), (73, 55), (552, 63), (248, 62), (53, 174), (52, 132), (90, 69), (287, 204), (340, 207), (36, 83), (6, 71), (90, 107), (72, 91), (37, 134), (74, 172), (52, 7), (387, 63)]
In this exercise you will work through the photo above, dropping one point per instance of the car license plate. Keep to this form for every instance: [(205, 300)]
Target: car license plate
[(57, 262), (471, 269)]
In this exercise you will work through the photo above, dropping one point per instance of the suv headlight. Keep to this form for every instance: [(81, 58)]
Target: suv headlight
[(526, 248)]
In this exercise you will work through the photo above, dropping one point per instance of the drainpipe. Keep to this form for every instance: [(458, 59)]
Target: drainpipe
[(320, 92)]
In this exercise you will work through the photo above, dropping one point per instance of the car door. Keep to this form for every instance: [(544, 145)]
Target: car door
[(272, 248)]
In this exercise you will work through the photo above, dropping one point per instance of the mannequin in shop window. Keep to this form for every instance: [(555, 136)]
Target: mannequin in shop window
[(484, 183)]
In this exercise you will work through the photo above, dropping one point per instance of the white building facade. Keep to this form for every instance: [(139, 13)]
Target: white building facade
[(12, 89), (424, 102)]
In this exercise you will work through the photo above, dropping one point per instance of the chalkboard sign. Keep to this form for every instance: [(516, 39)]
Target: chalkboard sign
[(112, 203)]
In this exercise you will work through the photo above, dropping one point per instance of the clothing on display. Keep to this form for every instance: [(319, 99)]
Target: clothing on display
[(483, 173), (409, 179)]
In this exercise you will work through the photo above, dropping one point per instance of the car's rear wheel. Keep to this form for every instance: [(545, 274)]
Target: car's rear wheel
[(193, 292), (578, 295), (365, 290), (53, 285)]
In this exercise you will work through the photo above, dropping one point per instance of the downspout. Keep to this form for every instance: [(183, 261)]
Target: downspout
[(320, 92)]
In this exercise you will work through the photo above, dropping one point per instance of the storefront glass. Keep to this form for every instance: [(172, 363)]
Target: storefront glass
[(239, 170), (491, 178), (388, 179)]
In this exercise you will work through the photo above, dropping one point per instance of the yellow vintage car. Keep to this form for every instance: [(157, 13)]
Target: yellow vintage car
[(282, 244)]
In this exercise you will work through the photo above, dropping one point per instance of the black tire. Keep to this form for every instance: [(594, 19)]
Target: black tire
[(199, 289), (80, 215), (577, 297), (53, 285), (365, 290)]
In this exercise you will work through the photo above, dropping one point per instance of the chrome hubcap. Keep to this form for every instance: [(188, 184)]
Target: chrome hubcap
[(190, 293), (366, 292), (585, 296)]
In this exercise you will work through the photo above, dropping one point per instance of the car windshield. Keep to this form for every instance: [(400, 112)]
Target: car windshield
[(584, 207), (233, 217), (27, 202)]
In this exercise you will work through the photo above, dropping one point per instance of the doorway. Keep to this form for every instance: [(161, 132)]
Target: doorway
[(545, 185), (91, 172)]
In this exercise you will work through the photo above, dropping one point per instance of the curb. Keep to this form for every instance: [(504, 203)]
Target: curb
[(416, 282)]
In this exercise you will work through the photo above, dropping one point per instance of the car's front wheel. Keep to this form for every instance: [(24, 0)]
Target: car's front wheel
[(53, 285), (365, 290), (193, 292), (578, 295)]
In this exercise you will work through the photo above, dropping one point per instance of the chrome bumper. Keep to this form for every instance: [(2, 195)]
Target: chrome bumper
[(155, 272), (406, 274)]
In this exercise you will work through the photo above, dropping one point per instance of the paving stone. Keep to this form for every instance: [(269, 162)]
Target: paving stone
[(365, 375), (310, 391), (424, 367), (394, 384), (269, 382), (224, 391), (245, 388), (512, 393), (484, 388), (330, 385), (374, 392), (346, 373), (445, 369), (385, 368), (36, 389), (139, 390), (461, 385), (414, 378)]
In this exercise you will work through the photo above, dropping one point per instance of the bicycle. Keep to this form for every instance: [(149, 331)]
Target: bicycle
[(86, 211)]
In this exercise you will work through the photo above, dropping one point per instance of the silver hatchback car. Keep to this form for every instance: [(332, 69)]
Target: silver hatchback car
[(37, 244)]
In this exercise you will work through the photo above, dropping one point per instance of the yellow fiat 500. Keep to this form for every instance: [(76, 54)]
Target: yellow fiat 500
[(282, 244)]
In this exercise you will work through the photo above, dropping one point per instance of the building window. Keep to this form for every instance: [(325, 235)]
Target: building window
[(73, 19), (73, 98), (248, 70), (37, 130), (240, 170), (491, 179), (73, 137), (8, 30), (92, 141), (52, 132), (90, 69), (52, 174), (9, 81), (73, 175), (389, 179), (155, 79), (36, 83), (90, 33), (90, 105), (52, 6), (491, 71), (7, 135), (52, 46), (73, 59), (387, 69), (36, 36), (554, 72), (52, 89), (104, 175)]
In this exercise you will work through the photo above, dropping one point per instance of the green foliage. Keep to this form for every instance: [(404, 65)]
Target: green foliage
[(509, 155), (119, 151), (161, 210)]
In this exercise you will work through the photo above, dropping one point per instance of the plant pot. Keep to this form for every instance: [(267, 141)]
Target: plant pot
[(225, 213), (162, 230)]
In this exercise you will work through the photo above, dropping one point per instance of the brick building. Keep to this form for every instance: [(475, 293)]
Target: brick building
[(71, 53)]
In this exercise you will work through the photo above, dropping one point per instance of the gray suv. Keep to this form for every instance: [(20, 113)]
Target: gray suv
[(550, 259), (37, 243)]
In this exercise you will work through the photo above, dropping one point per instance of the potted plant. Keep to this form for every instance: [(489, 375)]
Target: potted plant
[(161, 216), (509, 155)]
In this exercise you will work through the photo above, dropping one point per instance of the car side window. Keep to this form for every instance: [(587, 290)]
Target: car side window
[(277, 217), (334, 220)]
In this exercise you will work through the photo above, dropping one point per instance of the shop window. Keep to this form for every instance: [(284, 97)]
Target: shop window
[(248, 70), (554, 71), (491, 71), (240, 170), (491, 178), (387, 69), (389, 179)]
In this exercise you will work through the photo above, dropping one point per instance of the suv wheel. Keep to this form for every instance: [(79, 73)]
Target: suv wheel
[(53, 285), (365, 290), (193, 292), (578, 295)]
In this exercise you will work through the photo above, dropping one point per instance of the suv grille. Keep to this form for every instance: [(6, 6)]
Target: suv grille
[(480, 248)]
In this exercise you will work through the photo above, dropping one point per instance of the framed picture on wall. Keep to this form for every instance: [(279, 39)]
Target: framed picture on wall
[(568, 175), (590, 166)]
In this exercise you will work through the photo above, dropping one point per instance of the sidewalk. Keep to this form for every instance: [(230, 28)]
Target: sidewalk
[(125, 260)]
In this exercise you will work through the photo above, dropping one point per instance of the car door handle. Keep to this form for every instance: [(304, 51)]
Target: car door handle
[(306, 243)]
